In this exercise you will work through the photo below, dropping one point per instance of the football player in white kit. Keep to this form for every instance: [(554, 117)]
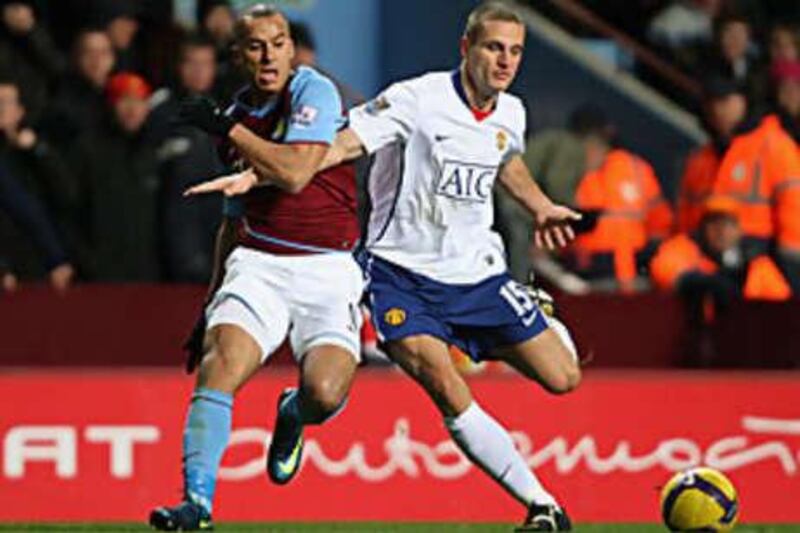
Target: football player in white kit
[(436, 271)]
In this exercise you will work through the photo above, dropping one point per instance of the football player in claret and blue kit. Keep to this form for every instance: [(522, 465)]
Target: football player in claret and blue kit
[(292, 271), (436, 271)]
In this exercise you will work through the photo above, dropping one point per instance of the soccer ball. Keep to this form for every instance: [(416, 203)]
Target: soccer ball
[(700, 499)]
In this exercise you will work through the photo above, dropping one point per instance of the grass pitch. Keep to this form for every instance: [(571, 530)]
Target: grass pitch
[(382, 527)]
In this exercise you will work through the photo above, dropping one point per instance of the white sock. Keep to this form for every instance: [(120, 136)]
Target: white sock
[(489, 445)]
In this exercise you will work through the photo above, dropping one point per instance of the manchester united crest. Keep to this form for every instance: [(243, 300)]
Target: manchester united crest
[(394, 316), (502, 140)]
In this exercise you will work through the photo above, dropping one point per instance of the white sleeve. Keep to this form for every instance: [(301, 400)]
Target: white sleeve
[(390, 117), (517, 141)]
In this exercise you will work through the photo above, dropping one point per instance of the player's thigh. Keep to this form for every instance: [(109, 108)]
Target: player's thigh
[(427, 359), (326, 291), (252, 298), (327, 372), (545, 358)]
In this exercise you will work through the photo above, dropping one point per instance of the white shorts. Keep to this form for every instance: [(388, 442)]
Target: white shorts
[(314, 298)]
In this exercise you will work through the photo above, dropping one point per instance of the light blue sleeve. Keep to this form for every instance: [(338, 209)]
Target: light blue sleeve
[(316, 113)]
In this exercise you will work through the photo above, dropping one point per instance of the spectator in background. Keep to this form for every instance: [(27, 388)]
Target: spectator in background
[(118, 189), (761, 170), (714, 262), (783, 43), (724, 115), (119, 19), (27, 50), (557, 159), (185, 156), (39, 171), (733, 56), (683, 29), (79, 103), (29, 215), (216, 20), (786, 95), (632, 218)]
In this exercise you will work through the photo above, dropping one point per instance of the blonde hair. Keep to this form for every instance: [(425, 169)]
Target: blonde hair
[(492, 10)]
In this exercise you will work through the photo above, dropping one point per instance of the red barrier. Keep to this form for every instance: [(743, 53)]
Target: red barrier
[(123, 325), (104, 445)]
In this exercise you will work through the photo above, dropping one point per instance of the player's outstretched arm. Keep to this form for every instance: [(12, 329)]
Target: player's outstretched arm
[(346, 147), (552, 220), (289, 166)]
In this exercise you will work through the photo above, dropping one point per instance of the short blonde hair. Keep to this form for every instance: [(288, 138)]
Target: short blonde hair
[(492, 10)]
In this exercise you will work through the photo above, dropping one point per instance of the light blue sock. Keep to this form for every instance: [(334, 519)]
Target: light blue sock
[(207, 431)]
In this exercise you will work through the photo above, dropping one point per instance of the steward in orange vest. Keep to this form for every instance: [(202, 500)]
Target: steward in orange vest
[(714, 261), (761, 171), (632, 216), (724, 115)]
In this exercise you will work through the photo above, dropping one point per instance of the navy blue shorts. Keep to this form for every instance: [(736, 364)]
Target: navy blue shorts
[(476, 318)]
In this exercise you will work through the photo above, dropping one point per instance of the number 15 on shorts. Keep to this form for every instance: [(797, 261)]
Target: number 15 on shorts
[(520, 301)]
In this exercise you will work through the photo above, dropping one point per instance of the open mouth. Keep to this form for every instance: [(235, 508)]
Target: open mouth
[(268, 75)]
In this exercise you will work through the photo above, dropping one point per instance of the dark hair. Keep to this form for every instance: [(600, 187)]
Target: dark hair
[(302, 36), (730, 17), (486, 11), (241, 28), (194, 40), (6, 78), (588, 119)]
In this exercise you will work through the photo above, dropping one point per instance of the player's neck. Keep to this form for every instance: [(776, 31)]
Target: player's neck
[(259, 99), (482, 103)]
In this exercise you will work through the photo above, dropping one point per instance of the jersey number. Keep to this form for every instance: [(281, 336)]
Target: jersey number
[(519, 300)]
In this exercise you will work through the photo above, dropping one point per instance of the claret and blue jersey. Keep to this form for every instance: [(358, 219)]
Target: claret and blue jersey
[(322, 217)]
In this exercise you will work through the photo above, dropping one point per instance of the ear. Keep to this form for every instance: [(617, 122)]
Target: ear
[(463, 46)]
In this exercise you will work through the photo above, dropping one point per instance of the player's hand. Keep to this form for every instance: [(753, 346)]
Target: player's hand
[(553, 228), (61, 277), (204, 113), (232, 185)]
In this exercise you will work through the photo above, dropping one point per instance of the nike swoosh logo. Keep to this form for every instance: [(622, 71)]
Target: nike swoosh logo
[(440, 138), (288, 466), (527, 321)]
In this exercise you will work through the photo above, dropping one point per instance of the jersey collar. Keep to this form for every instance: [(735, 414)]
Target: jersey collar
[(477, 114)]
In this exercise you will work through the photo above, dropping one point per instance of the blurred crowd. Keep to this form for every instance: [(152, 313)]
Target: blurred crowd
[(93, 165), (733, 231), (92, 162)]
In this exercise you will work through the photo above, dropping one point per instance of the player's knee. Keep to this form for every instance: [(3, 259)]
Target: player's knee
[(222, 369), (326, 395), (565, 380), (447, 388)]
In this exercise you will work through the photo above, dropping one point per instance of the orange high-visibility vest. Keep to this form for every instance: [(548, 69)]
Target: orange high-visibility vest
[(633, 211), (761, 170), (682, 254), (697, 183), (765, 281), (675, 257)]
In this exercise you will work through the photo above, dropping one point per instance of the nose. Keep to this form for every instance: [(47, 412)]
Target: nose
[(503, 59)]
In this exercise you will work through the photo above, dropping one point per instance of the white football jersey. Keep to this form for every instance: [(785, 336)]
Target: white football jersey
[(430, 184)]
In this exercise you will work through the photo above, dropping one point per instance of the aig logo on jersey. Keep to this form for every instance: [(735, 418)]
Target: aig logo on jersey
[(466, 181)]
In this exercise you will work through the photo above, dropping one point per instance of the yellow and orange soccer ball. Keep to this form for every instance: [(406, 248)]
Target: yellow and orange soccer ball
[(700, 499)]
